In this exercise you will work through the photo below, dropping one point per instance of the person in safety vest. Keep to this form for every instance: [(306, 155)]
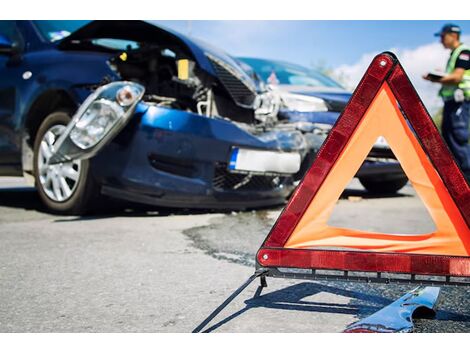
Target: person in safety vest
[(455, 92)]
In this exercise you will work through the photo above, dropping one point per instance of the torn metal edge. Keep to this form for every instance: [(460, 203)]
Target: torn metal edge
[(398, 316)]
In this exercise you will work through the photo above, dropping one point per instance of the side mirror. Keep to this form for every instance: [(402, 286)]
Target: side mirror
[(7, 47)]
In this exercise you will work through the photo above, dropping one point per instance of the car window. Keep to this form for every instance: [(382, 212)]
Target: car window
[(116, 44), (56, 30), (8, 29), (278, 72)]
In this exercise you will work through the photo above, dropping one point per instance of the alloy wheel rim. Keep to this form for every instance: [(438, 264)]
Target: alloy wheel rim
[(58, 181)]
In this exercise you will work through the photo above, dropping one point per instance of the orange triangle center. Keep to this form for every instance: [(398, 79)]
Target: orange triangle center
[(384, 118)]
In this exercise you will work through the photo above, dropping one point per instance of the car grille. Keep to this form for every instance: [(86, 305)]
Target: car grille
[(237, 89), (172, 165), (224, 180)]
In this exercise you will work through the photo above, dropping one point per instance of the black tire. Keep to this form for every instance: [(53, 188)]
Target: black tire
[(383, 186), (86, 191)]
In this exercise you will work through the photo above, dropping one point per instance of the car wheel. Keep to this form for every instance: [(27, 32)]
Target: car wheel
[(374, 185), (65, 188)]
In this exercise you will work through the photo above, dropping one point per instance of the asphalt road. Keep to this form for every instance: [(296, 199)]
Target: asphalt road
[(161, 270)]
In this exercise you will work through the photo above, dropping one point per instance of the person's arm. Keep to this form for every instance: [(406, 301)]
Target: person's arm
[(453, 78), (461, 65)]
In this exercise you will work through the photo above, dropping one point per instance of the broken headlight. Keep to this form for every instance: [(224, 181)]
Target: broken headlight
[(99, 118), (109, 106), (103, 114)]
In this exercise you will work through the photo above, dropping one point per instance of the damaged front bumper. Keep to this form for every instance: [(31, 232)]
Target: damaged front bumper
[(162, 156), (172, 158), (169, 157)]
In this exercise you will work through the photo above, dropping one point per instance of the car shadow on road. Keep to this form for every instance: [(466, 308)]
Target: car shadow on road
[(21, 197), (134, 212), (362, 193), (27, 198)]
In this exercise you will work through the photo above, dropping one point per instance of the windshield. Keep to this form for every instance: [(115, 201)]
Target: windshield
[(57, 30), (278, 72)]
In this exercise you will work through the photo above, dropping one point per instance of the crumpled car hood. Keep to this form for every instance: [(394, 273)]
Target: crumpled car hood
[(142, 31)]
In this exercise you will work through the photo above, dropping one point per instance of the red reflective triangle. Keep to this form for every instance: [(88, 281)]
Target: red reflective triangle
[(384, 84)]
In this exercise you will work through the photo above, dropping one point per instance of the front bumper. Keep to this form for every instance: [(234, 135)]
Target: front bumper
[(174, 158)]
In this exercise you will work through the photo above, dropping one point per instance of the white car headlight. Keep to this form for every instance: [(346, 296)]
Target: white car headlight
[(303, 103), (109, 106), (98, 120)]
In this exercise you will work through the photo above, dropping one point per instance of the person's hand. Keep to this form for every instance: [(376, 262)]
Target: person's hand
[(430, 78)]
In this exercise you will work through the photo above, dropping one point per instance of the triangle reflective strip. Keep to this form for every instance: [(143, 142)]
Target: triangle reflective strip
[(384, 104)]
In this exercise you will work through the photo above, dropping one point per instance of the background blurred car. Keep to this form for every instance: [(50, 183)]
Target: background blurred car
[(137, 112), (313, 102)]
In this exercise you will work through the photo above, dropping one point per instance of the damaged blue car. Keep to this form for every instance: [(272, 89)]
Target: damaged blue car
[(131, 110), (313, 102)]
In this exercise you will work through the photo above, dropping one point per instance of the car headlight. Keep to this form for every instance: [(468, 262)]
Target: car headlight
[(99, 119), (109, 106), (303, 103)]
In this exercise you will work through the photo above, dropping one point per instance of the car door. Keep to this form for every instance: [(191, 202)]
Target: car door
[(10, 141)]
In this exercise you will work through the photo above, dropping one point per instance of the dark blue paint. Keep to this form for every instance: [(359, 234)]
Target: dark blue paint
[(200, 142), (233, 159), (5, 42), (186, 122)]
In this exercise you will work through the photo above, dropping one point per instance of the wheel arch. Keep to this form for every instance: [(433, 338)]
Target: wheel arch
[(46, 103)]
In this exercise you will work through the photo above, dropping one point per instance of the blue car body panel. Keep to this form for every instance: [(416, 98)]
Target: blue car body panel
[(192, 148)]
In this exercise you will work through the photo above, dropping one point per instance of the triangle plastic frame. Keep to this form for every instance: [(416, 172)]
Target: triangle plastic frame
[(277, 260)]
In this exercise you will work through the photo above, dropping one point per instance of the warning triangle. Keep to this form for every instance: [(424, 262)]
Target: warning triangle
[(384, 104)]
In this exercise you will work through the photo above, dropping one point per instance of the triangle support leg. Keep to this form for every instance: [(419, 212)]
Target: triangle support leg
[(259, 273)]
